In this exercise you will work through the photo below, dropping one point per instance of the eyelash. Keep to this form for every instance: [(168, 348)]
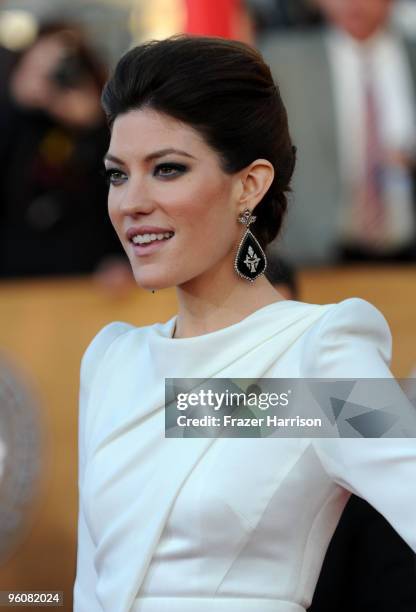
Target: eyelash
[(108, 173)]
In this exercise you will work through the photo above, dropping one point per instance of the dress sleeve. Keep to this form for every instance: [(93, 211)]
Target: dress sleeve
[(84, 587), (351, 340), (354, 341)]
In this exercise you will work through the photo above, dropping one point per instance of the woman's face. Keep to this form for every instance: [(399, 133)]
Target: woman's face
[(164, 178)]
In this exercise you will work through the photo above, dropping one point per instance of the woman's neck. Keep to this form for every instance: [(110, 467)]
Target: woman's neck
[(200, 314)]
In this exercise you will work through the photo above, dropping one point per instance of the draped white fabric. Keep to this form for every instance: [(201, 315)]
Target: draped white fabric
[(235, 524)]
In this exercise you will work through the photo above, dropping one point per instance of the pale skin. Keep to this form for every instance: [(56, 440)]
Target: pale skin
[(190, 194)]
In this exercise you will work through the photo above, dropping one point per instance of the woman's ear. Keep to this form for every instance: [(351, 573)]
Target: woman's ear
[(256, 180)]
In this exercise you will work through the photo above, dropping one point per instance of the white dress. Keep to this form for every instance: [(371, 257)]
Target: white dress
[(224, 525)]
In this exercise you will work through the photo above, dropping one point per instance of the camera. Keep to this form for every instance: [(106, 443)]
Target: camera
[(70, 72)]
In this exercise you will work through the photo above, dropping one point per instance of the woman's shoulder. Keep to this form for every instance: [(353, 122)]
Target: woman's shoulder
[(354, 311), (100, 343), (115, 339), (351, 339)]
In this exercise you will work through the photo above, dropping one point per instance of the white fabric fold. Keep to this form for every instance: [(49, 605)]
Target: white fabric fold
[(133, 430), (223, 520)]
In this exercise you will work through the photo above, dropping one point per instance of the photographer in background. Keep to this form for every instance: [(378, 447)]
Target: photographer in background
[(53, 198)]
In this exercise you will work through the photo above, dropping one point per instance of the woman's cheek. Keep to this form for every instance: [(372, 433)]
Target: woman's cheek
[(112, 208)]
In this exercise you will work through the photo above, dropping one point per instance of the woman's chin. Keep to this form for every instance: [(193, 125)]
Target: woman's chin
[(152, 283), (172, 278)]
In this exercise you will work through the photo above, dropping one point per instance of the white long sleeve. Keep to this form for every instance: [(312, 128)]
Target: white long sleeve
[(86, 577), (354, 341), (163, 526)]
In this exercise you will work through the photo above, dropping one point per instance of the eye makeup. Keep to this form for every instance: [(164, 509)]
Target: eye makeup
[(173, 169), (166, 171), (109, 175)]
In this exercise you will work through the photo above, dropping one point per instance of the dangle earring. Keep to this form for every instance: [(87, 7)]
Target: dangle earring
[(250, 261)]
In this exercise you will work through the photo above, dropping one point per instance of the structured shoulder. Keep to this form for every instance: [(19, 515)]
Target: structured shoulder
[(356, 314), (99, 345), (352, 339)]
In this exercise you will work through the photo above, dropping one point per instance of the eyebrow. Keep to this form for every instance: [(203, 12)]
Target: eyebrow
[(151, 156)]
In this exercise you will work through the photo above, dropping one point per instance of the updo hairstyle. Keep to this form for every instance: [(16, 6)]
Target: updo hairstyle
[(225, 91)]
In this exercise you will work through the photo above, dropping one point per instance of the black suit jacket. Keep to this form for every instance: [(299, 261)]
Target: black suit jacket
[(368, 567)]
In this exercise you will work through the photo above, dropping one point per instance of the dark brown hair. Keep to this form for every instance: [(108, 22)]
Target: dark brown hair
[(225, 91)]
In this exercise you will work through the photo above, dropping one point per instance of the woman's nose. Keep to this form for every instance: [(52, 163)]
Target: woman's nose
[(136, 199)]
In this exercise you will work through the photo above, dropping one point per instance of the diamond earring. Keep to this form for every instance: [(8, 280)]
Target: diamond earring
[(250, 261)]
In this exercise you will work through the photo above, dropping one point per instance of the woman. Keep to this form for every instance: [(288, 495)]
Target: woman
[(199, 141)]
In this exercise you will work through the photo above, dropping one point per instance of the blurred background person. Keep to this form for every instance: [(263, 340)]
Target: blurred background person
[(53, 196), (350, 87)]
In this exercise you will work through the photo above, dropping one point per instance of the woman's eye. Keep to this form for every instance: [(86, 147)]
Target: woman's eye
[(113, 176), (168, 170)]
